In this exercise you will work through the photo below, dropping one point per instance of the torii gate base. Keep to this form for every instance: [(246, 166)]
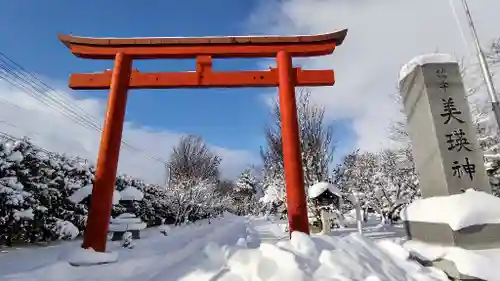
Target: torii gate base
[(122, 77)]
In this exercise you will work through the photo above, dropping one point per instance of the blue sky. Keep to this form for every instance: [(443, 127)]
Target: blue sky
[(231, 118)]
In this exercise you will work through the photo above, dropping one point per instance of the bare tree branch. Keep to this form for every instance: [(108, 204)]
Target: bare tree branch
[(316, 141), (493, 55), (191, 160)]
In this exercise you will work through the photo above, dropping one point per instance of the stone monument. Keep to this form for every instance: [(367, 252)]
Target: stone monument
[(447, 157), (445, 147)]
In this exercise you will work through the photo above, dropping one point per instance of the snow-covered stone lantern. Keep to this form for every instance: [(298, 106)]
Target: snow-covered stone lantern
[(127, 222), (325, 197), (128, 196)]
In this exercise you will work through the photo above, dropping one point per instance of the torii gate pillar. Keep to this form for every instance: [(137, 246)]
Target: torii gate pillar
[(122, 78), (107, 160), (292, 158)]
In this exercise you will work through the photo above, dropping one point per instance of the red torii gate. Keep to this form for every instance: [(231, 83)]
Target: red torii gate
[(203, 49)]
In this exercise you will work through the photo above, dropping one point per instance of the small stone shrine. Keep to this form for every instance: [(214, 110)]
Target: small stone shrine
[(324, 196)]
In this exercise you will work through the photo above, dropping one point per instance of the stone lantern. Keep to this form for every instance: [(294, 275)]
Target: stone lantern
[(127, 222)]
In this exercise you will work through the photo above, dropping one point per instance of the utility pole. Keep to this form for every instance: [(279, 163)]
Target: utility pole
[(167, 175), (485, 70)]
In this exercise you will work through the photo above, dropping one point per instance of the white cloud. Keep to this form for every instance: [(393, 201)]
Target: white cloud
[(383, 35), (22, 115)]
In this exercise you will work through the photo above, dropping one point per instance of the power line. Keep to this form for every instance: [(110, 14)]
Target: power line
[(18, 80), (42, 88), (459, 25), (23, 80)]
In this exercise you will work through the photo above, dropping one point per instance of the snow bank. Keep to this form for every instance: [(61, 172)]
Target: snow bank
[(423, 60), (482, 264), (192, 253), (317, 189), (458, 211), (155, 257), (83, 257), (304, 258), (66, 230)]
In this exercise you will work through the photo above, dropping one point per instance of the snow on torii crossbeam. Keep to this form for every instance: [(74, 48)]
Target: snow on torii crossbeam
[(203, 49)]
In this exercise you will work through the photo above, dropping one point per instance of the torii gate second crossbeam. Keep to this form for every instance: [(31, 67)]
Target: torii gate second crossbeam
[(124, 50)]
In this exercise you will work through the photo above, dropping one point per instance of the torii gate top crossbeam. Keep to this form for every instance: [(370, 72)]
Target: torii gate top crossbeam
[(216, 47)]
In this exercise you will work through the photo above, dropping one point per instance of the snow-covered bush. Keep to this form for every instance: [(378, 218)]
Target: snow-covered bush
[(38, 196), (489, 142), (383, 182)]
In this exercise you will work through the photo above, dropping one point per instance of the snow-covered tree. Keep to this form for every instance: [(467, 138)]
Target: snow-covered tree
[(246, 182), (397, 182), (184, 197), (485, 123), (343, 176), (223, 198), (192, 160), (383, 182), (494, 53), (156, 207), (357, 176), (316, 144), (245, 195), (489, 142)]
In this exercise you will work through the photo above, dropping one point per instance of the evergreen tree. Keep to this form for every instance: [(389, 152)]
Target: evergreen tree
[(244, 197)]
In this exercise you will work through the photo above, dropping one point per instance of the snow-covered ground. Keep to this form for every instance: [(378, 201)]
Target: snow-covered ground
[(155, 257), (233, 248)]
